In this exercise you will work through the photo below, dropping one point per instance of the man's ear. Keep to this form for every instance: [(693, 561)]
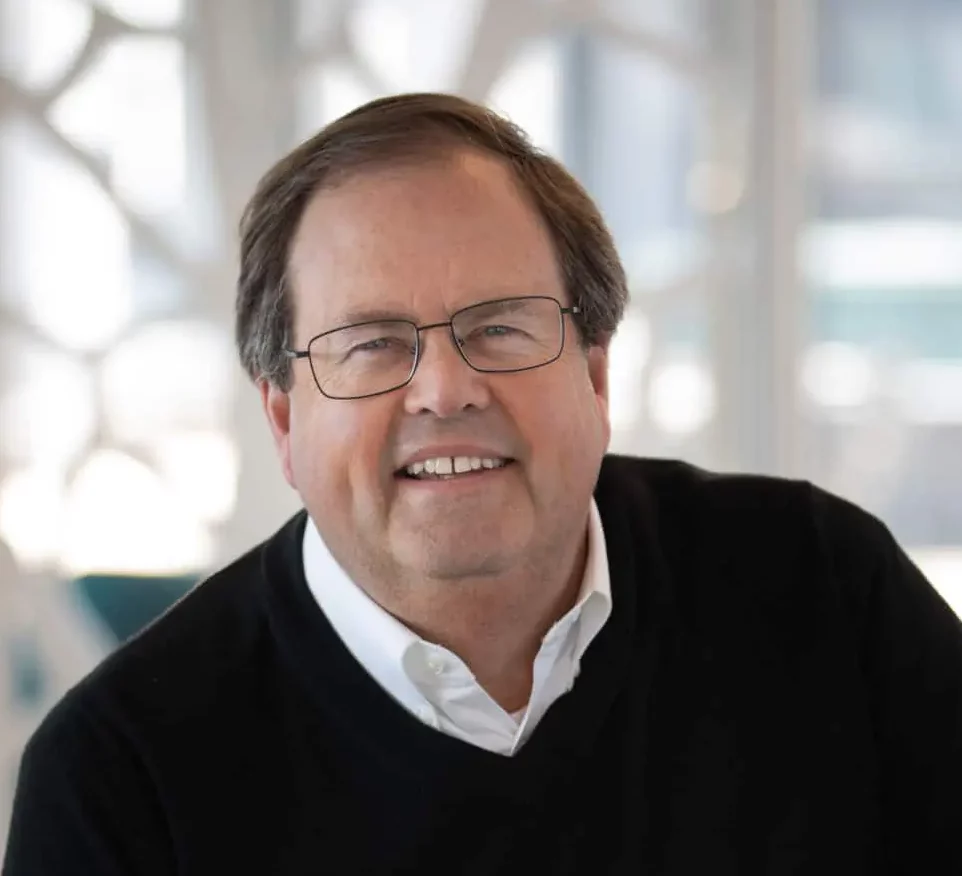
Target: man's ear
[(277, 407), (597, 357)]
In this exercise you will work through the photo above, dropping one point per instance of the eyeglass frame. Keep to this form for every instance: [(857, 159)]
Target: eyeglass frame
[(418, 348)]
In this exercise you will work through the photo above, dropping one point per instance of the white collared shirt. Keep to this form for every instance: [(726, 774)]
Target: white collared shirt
[(435, 684)]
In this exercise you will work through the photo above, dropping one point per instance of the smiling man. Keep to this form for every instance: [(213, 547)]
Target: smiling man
[(486, 646), (449, 474)]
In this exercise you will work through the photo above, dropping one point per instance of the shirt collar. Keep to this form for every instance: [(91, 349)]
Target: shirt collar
[(380, 642), (594, 599), (377, 639)]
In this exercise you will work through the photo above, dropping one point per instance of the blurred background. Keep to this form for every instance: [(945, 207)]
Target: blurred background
[(783, 178)]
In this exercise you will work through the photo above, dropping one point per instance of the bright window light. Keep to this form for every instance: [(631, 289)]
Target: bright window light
[(528, 93), (120, 517)]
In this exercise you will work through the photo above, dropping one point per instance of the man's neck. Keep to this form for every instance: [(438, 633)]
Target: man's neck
[(495, 626)]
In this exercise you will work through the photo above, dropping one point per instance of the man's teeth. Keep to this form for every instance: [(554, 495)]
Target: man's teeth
[(447, 465)]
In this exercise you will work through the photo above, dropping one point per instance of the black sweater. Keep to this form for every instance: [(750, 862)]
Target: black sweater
[(778, 690)]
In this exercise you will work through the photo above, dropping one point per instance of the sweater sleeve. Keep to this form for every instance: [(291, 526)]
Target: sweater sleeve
[(84, 803), (910, 652)]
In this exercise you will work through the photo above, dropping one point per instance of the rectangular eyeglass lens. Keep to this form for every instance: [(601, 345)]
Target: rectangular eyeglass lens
[(362, 359), (507, 335)]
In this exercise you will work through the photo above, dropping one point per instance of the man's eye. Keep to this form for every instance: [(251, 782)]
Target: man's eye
[(497, 330), (376, 345)]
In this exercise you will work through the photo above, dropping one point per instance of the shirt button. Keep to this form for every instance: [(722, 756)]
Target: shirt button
[(436, 665), (426, 714)]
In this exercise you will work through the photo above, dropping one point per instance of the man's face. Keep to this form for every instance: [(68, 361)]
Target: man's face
[(421, 242)]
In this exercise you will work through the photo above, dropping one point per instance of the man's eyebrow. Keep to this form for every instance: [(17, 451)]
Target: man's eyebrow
[(355, 315), (369, 314), (508, 303)]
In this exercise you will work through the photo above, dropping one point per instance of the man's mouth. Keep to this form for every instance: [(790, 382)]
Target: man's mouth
[(445, 467)]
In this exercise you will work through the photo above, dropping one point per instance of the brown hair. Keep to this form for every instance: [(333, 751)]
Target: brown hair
[(406, 127)]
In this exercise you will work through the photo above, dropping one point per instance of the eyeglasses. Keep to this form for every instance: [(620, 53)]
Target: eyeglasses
[(378, 356)]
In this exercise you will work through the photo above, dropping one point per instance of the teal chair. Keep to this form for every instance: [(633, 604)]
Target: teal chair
[(126, 604), (123, 605)]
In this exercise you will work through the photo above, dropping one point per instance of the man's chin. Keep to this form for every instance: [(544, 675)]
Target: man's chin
[(456, 560), (486, 542), (453, 569)]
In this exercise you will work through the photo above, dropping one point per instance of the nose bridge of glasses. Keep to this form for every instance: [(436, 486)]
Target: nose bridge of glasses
[(446, 324), (446, 354)]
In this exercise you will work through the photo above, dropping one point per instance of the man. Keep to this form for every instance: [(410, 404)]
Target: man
[(486, 646)]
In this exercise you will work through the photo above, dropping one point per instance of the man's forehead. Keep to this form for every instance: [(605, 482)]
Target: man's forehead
[(396, 240), (372, 199)]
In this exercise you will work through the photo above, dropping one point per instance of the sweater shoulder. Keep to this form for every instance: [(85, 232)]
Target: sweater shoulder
[(202, 650), (673, 487), (747, 520), (676, 489)]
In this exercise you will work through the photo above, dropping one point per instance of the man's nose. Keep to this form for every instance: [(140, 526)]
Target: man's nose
[(444, 384)]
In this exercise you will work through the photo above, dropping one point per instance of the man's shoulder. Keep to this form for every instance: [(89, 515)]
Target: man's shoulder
[(669, 476), (735, 509), (673, 484), (202, 650)]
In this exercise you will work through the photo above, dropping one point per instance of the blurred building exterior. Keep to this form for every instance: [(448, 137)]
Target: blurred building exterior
[(783, 179)]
